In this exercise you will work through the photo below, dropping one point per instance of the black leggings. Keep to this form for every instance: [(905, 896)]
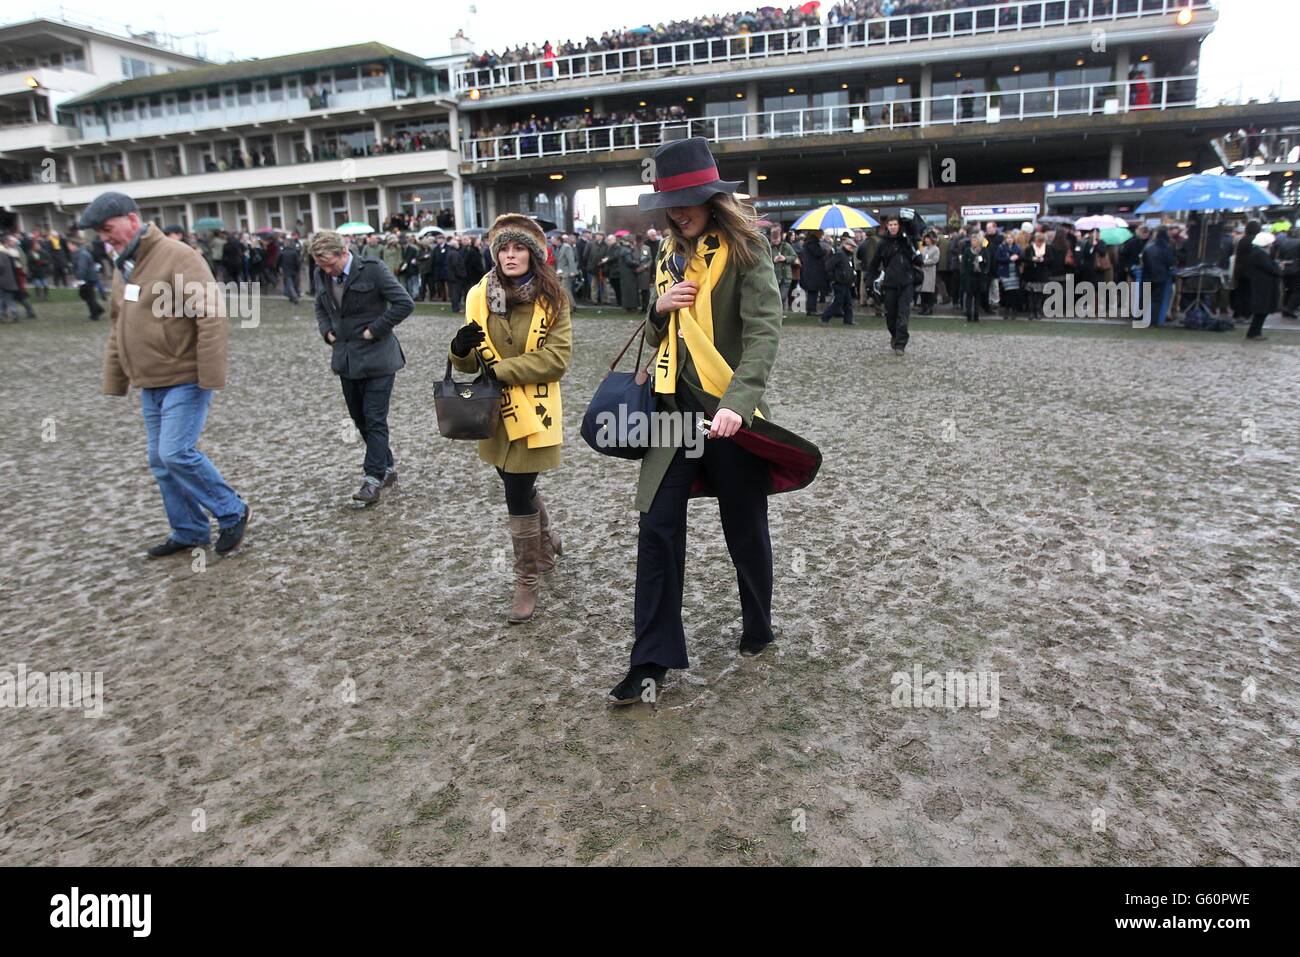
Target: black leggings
[(519, 492)]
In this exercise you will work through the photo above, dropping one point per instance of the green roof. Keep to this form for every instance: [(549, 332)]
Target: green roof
[(202, 76)]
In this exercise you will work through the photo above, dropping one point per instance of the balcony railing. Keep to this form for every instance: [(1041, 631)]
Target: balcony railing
[(1082, 99), (992, 18)]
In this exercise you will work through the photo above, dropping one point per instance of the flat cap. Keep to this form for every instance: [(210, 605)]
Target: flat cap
[(174, 230), (105, 207)]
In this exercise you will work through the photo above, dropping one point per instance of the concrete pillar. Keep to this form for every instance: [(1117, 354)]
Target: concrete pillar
[(72, 170), (490, 200), (753, 179), (248, 211), (600, 202), (126, 164), (189, 215), (379, 131), (458, 201), (383, 205), (1116, 160), (183, 159), (923, 171), (1122, 63), (243, 147), (453, 128), (927, 89)]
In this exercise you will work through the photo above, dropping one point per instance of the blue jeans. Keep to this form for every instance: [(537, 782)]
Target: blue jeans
[(190, 484)]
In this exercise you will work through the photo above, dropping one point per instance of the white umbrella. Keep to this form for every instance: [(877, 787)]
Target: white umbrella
[(355, 229), (1089, 223), (427, 230)]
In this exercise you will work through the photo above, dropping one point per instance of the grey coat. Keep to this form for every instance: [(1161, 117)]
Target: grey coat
[(372, 299)]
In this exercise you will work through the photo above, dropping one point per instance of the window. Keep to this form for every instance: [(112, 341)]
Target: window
[(261, 94), (132, 68), (183, 103), (169, 105), (155, 106), (228, 97), (374, 76), (273, 213), (346, 79), (245, 90), (275, 91)]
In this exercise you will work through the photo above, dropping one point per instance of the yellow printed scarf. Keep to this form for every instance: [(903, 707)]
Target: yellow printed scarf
[(694, 324), (532, 410)]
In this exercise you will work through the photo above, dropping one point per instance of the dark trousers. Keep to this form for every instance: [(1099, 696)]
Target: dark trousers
[(740, 480), (455, 294), (89, 297), (841, 305), (367, 401), (898, 306), (1256, 326), (812, 300), (1291, 293)]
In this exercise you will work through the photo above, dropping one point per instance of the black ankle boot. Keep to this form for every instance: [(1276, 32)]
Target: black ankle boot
[(633, 687)]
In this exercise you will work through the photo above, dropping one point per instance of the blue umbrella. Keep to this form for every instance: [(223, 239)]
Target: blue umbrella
[(1205, 192), (644, 29), (835, 217)]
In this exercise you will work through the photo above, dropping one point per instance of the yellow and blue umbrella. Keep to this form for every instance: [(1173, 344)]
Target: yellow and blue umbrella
[(835, 217)]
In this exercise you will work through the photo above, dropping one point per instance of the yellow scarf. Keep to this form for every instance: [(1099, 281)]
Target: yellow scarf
[(693, 324), (530, 411)]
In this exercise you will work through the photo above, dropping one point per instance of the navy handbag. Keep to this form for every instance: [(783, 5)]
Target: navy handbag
[(621, 398)]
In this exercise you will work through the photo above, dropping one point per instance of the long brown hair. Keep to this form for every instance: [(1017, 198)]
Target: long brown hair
[(737, 222), (549, 292)]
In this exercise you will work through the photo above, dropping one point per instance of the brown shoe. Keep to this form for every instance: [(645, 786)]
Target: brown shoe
[(525, 533), (551, 546)]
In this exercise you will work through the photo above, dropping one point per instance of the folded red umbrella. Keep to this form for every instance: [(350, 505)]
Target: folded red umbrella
[(809, 7), (792, 461)]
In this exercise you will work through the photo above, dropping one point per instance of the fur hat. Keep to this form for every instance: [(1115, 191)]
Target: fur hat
[(518, 228)]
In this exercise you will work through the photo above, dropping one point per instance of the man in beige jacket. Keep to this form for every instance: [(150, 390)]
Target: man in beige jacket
[(167, 337)]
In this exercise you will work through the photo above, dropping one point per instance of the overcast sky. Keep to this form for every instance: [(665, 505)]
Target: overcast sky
[(1252, 46)]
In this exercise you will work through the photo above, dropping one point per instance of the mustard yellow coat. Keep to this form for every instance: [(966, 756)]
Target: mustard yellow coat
[(515, 367)]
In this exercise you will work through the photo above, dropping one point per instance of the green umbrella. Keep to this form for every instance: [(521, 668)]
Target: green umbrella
[(210, 222), (1116, 236), (355, 229)]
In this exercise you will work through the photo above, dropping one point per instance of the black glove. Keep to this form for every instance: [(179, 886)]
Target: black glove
[(467, 337)]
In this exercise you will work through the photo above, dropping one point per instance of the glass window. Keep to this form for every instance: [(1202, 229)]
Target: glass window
[(374, 76), (275, 91), (346, 79), (245, 91)]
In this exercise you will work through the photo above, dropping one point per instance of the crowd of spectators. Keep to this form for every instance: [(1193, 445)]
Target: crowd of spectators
[(852, 15)]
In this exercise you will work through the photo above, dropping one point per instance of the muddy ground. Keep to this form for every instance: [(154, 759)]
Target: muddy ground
[(1105, 518)]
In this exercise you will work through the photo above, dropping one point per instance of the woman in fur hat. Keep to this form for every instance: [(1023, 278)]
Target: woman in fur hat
[(517, 321)]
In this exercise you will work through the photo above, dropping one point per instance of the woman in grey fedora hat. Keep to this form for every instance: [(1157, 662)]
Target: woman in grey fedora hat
[(715, 321)]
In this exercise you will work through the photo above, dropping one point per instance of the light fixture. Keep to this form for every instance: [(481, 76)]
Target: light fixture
[(474, 94), (1184, 164), (33, 82), (1027, 170), (1288, 174), (1144, 57), (1079, 62), (640, 103), (846, 182), (740, 96), (957, 74), (1016, 68), (844, 86), (789, 89), (586, 109), (761, 177), (690, 99), (556, 176), (1184, 16), (415, 199), (864, 171), (900, 79)]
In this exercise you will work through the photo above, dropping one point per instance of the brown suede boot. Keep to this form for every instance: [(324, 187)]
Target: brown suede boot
[(552, 548), (525, 532)]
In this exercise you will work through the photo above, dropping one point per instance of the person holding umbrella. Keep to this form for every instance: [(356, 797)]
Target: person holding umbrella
[(715, 323)]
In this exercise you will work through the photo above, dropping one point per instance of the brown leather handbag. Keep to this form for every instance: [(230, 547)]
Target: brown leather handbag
[(468, 410)]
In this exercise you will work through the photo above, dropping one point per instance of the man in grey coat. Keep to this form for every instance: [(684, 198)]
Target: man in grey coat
[(358, 302)]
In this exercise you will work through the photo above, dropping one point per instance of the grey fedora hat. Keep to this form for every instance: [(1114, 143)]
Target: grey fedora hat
[(685, 175)]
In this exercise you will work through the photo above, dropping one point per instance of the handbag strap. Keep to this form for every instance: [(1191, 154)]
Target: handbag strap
[(627, 345), (482, 368)]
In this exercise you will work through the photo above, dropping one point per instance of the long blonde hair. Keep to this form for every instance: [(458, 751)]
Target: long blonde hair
[(738, 224)]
